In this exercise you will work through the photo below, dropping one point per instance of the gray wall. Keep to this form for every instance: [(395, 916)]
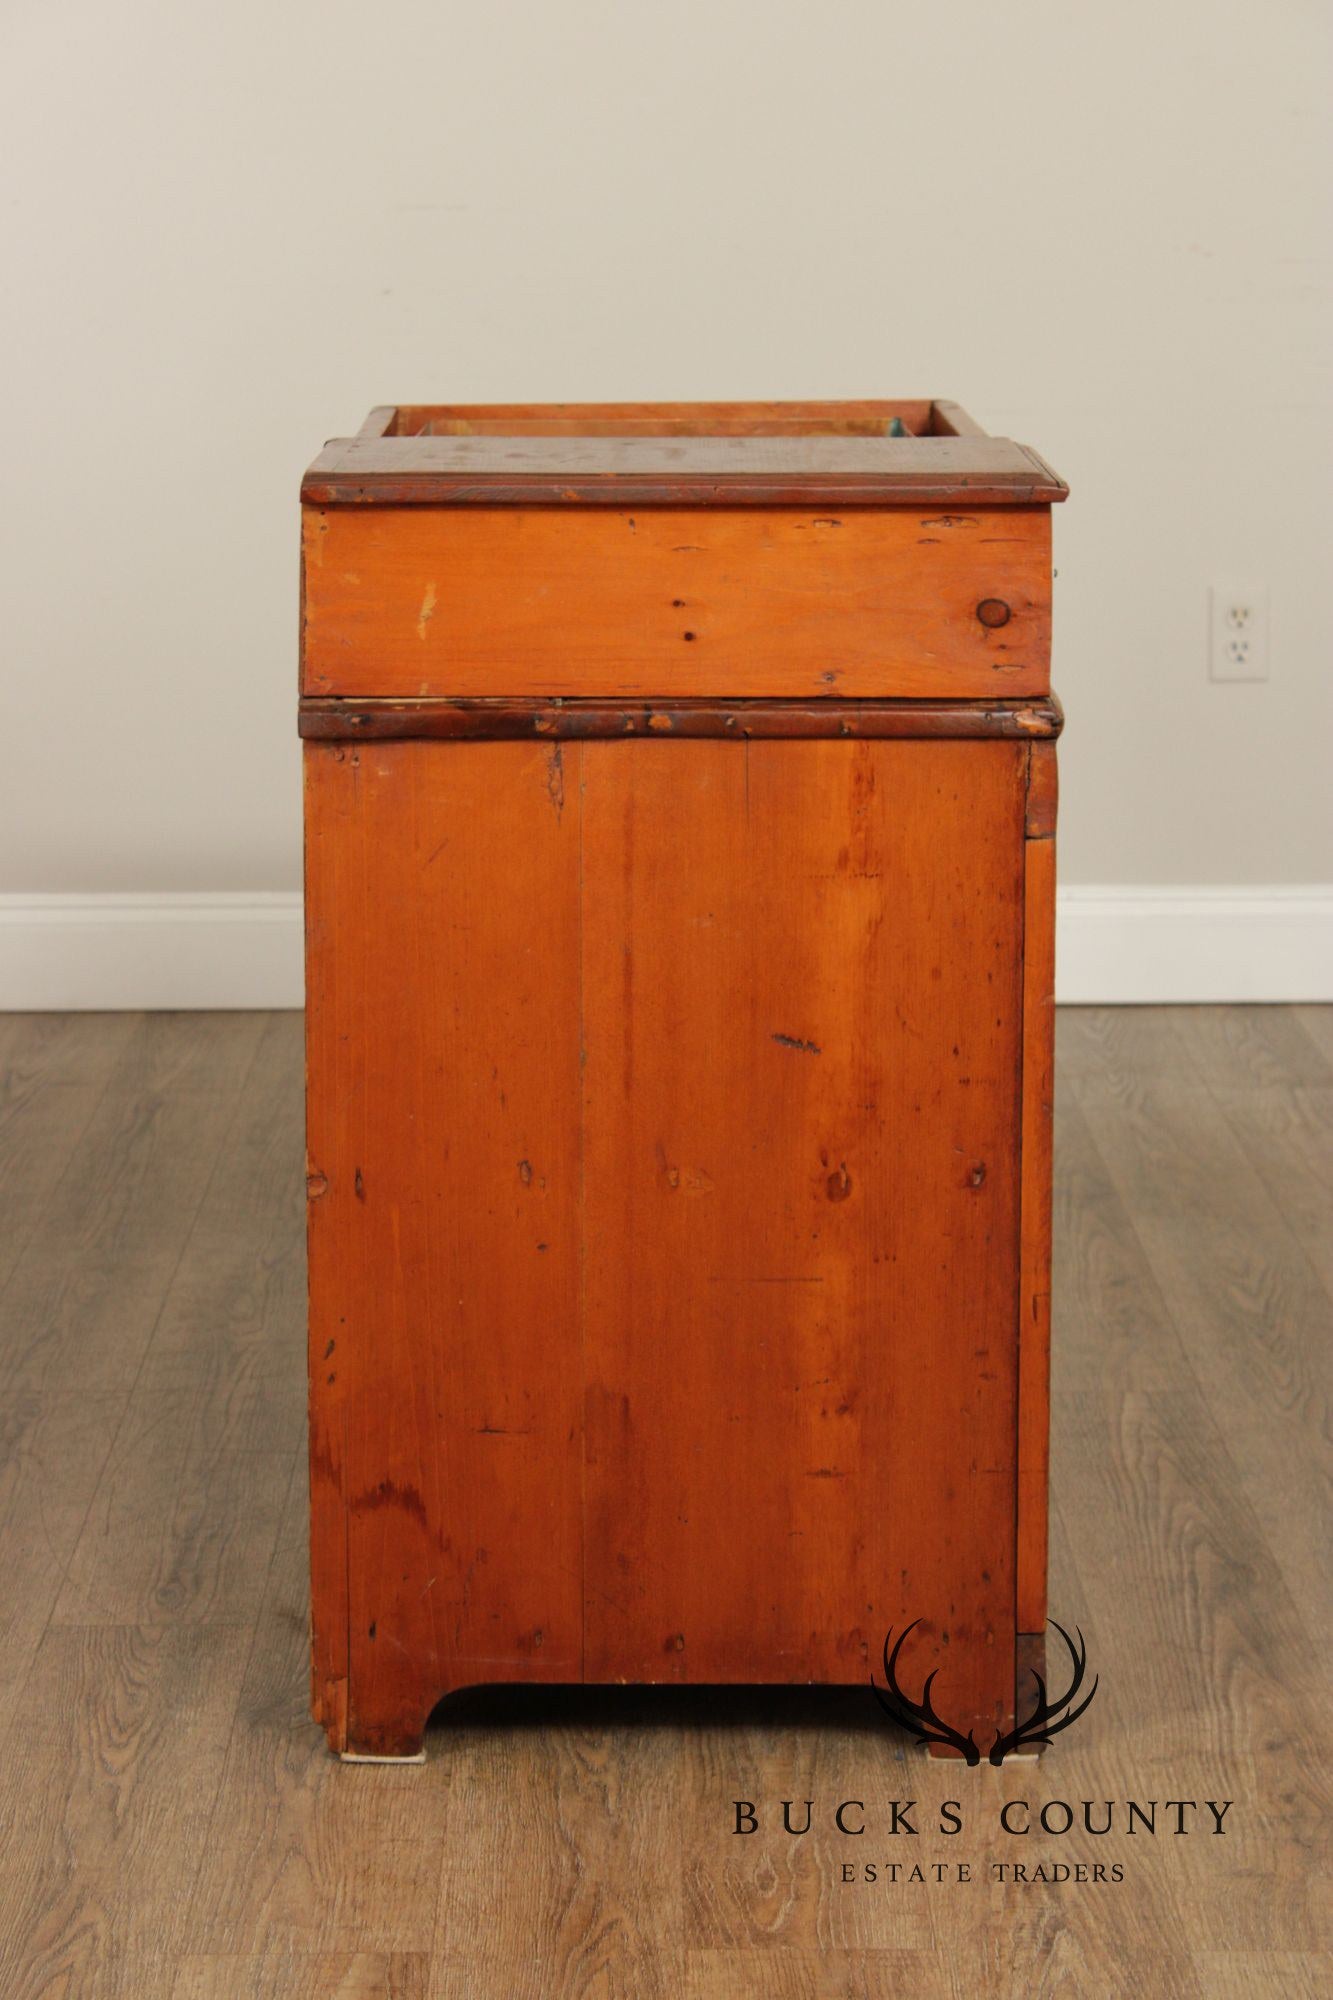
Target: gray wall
[(230, 230)]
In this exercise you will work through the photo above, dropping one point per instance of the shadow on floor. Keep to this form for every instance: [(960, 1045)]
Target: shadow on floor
[(557, 1706)]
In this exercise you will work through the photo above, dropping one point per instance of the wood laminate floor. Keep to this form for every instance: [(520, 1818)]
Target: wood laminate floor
[(173, 1828)]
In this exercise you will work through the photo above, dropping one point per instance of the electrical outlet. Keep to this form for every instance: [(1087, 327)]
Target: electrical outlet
[(1238, 632)]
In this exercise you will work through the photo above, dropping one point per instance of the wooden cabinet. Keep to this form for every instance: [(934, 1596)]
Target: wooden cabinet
[(680, 798)]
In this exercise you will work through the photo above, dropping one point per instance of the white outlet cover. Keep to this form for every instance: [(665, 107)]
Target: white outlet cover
[(1238, 632)]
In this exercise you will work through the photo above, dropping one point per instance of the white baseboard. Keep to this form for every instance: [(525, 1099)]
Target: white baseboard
[(1140, 944), (211, 949), (1114, 946)]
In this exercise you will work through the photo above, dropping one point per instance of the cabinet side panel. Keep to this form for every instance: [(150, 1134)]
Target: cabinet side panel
[(325, 816), (444, 1179), (1038, 1118), (802, 1023)]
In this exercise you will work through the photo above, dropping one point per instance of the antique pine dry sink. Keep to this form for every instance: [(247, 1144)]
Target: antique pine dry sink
[(680, 797)]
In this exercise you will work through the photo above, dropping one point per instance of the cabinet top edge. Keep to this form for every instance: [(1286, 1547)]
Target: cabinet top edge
[(753, 455)]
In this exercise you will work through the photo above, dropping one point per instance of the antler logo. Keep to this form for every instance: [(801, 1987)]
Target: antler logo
[(919, 1718)]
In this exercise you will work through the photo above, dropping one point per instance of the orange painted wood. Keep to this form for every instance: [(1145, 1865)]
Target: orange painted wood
[(445, 1182), (802, 1018), (676, 602), (1037, 1165)]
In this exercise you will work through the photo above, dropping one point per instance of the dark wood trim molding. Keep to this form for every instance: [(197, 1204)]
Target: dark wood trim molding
[(345, 720)]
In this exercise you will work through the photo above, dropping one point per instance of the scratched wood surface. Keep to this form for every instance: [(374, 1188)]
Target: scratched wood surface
[(801, 1098), (676, 601), (444, 1164), (172, 1826), (614, 1217)]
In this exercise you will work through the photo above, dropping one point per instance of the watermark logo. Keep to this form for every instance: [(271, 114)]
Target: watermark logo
[(920, 1719)]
